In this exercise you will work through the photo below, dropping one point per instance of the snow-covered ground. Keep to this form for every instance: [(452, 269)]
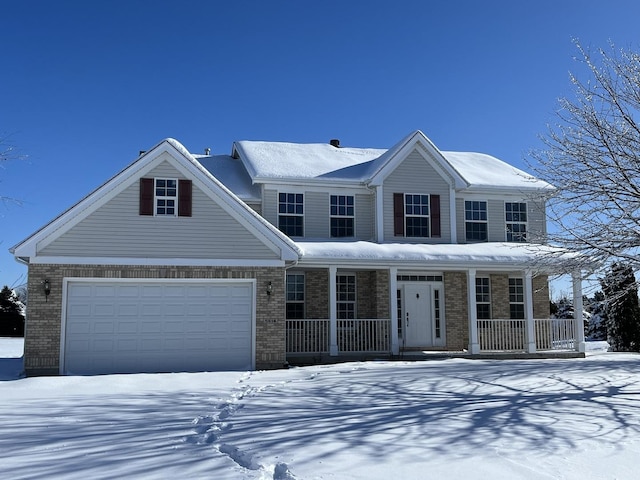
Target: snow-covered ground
[(453, 419)]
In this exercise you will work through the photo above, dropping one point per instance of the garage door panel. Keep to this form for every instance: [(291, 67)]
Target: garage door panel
[(153, 327), (128, 310), (105, 291), (127, 327)]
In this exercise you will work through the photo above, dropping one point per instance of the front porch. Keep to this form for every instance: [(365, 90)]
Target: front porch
[(368, 338), (409, 314)]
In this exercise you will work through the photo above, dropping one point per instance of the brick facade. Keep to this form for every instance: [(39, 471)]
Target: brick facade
[(44, 314), (456, 310)]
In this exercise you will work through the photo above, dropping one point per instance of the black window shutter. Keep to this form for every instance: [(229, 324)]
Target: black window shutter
[(398, 214), (435, 215), (146, 196), (184, 199)]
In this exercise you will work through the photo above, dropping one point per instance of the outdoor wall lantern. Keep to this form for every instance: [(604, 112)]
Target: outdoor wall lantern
[(269, 288), (46, 285)]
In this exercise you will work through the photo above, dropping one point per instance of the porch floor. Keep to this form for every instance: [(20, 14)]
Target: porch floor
[(300, 360)]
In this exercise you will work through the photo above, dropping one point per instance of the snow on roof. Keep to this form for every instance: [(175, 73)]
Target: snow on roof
[(321, 161), (482, 170), (232, 174), (493, 254), (281, 160)]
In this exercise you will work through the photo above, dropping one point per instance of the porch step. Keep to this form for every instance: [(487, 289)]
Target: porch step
[(424, 355)]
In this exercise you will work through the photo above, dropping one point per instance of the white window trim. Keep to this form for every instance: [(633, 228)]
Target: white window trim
[(304, 295), (304, 209), (428, 217), (524, 296), (507, 223), (355, 293), (165, 197), (466, 222), (353, 217), (479, 302)]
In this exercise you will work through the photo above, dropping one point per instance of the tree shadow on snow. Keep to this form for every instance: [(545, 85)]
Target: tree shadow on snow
[(442, 407)]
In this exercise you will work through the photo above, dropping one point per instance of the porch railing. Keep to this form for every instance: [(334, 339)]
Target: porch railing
[(364, 335), (499, 335), (308, 336), (555, 333), (354, 336)]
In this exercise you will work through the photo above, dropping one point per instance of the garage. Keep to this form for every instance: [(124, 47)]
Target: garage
[(135, 326)]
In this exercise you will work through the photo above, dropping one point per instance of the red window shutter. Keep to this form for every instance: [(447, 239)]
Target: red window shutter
[(398, 214), (146, 196), (435, 215), (184, 198)]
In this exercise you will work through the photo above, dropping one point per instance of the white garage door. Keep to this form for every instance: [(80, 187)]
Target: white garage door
[(157, 326)]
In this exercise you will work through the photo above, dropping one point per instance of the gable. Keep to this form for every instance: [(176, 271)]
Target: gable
[(107, 223), (415, 175), (116, 229)]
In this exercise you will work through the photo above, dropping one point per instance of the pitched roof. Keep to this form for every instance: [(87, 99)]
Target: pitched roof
[(180, 157), (322, 162)]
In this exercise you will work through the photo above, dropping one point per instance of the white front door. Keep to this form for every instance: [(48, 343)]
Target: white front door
[(417, 316)]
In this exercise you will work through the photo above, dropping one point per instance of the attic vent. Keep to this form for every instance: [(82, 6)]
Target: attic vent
[(335, 142), (207, 151)]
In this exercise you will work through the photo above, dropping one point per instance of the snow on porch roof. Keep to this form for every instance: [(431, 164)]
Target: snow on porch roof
[(485, 255)]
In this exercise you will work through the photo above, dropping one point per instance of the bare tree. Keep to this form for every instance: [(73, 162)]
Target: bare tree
[(592, 156), (8, 152)]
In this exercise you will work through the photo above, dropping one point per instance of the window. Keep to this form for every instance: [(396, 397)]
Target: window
[(291, 214), (437, 317), (416, 213), (516, 298), (342, 214), (475, 216), (346, 297), (165, 197), (166, 193), (295, 296), (516, 220), (483, 298)]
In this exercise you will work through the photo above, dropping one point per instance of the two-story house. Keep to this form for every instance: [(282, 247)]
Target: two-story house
[(282, 252)]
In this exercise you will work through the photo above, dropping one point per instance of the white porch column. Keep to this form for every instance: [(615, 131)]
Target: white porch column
[(474, 344), (528, 312), (393, 309), (333, 312), (576, 279)]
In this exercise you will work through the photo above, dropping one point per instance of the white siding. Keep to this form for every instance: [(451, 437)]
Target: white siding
[(117, 230)]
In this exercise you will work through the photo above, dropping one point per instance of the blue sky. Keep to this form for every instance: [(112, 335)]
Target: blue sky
[(86, 85)]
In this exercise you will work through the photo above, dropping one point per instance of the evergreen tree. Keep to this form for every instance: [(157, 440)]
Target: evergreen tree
[(622, 308), (11, 317), (598, 321)]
